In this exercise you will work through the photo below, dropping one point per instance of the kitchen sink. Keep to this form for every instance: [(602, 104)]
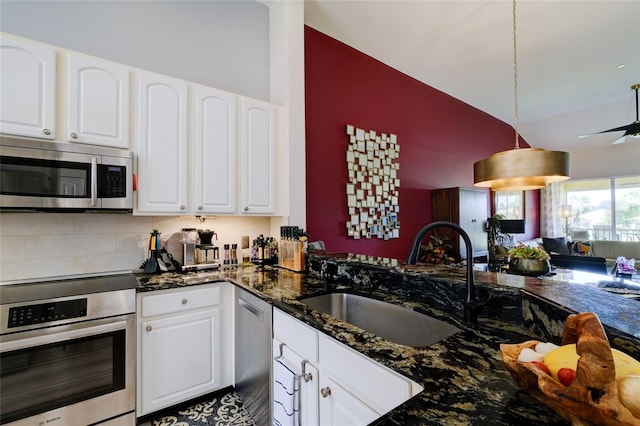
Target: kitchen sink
[(391, 322)]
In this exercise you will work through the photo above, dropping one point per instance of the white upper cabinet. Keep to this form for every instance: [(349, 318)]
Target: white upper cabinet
[(98, 102), (258, 157), (221, 122), (27, 88), (214, 151), (198, 150), (161, 144)]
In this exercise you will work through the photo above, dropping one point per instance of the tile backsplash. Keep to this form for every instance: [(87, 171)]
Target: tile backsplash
[(43, 245)]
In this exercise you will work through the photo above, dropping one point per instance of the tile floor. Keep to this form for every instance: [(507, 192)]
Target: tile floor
[(213, 410)]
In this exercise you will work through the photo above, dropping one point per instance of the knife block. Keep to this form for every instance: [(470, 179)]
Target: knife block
[(291, 255)]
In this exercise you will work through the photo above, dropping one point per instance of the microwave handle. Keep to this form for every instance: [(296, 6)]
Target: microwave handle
[(94, 181), (62, 336)]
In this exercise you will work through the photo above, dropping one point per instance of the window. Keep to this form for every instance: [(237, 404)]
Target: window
[(509, 204), (606, 209)]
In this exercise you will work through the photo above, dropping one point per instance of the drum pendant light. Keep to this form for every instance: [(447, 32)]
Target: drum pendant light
[(520, 168)]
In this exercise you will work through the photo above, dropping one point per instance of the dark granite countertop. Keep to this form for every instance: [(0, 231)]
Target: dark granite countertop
[(464, 379)]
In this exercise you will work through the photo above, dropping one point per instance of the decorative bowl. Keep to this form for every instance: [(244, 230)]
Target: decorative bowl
[(529, 267), (592, 398)]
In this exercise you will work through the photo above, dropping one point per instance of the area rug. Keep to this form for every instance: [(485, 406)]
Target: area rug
[(215, 411)]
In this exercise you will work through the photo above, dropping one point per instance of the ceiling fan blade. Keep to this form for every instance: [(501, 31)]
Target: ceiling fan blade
[(629, 129), (632, 129), (599, 133)]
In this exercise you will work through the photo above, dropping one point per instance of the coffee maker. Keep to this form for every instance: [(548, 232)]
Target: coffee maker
[(199, 252)]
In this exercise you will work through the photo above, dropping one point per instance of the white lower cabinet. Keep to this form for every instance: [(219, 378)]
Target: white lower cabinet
[(339, 407), (347, 387), (185, 344)]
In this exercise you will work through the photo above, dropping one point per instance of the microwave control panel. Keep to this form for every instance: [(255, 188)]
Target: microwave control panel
[(112, 181), (41, 313)]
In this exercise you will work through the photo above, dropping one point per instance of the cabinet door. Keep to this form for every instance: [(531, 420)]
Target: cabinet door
[(258, 157), (355, 373), (339, 407), (162, 144), (444, 206), (298, 336), (473, 213), (308, 399), (98, 104), (467, 208), (27, 84), (214, 151), (180, 358)]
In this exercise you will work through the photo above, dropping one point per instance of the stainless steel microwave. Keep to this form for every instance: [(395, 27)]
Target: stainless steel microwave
[(39, 175)]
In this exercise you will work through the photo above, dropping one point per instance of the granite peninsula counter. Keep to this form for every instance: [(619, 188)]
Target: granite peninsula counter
[(464, 379)]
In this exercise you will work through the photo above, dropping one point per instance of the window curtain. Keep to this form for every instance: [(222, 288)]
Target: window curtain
[(551, 222)]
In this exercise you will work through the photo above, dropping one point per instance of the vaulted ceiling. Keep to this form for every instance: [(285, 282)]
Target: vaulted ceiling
[(576, 59)]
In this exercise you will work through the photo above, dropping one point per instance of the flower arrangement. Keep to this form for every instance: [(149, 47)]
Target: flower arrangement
[(523, 251), (625, 266)]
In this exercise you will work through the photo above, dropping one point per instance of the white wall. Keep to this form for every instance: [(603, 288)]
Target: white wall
[(223, 44), (287, 89)]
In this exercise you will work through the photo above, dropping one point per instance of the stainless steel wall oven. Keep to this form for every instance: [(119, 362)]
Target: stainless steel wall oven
[(67, 351)]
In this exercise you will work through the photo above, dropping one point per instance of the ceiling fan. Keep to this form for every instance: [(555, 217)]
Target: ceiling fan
[(632, 130)]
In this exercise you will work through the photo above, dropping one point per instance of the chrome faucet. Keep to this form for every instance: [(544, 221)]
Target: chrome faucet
[(472, 307)]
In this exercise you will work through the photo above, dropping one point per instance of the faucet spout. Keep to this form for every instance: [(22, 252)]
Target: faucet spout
[(472, 307)]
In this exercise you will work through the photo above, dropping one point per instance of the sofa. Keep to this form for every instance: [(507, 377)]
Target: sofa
[(586, 255), (610, 250)]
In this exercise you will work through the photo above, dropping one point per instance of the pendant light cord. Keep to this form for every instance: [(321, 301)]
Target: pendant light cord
[(515, 75)]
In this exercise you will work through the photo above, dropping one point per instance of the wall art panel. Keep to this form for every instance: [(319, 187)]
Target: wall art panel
[(372, 189)]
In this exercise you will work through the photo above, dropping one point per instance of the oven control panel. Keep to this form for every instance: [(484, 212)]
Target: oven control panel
[(21, 316)]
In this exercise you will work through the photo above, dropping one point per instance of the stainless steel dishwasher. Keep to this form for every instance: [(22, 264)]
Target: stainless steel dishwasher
[(253, 355)]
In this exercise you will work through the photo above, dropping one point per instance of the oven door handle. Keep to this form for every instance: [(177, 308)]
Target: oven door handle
[(62, 336)]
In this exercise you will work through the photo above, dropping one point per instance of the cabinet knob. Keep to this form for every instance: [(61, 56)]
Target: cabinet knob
[(184, 301), (246, 209), (74, 136), (199, 207), (46, 131), (326, 392), (182, 207), (148, 328)]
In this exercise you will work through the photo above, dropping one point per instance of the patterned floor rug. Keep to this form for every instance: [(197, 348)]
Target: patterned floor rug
[(215, 411)]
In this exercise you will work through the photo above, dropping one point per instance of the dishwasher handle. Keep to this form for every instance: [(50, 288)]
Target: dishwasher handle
[(251, 308)]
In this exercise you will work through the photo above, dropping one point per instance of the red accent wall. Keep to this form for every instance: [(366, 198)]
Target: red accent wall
[(440, 138)]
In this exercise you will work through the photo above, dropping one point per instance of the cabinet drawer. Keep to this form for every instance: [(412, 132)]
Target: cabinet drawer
[(179, 301), (356, 373), (299, 336)]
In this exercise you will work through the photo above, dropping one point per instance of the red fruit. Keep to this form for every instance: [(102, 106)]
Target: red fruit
[(566, 375), (541, 366)]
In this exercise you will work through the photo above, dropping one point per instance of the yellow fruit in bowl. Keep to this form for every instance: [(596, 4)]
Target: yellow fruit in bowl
[(567, 357), (629, 393)]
